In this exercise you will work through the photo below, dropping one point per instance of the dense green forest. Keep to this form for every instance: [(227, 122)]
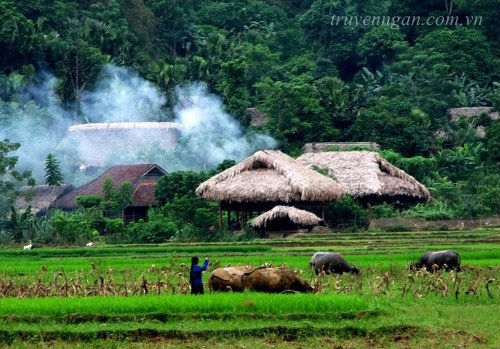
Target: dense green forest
[(320, 70)]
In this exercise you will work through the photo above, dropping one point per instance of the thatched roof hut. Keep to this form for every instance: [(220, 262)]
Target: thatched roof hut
[(285, 218), (41, 198), (469, 112), (339, 146), (368, 177), (269, 176), (266, 179), (257, 117), (97, 144), (143, 178)]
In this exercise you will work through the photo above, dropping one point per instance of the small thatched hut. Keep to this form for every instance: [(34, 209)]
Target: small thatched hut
[(266, 179), (143, 178), (40, 198), (257, 117), (368, 177), (469, 112), (284, 219)]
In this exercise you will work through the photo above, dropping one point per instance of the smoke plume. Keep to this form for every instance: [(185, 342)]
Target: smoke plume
[(122, 95), (203, 133), (209, 134)]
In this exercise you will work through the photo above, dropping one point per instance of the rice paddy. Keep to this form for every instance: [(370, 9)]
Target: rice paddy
[(124, 295)]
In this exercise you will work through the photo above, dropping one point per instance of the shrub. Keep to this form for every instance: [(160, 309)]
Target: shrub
[(383, 211), (178, 184), (89, 201), (156, 229), (417, 166), (346, 212), (205, 218), (76, 227), (432, 211)]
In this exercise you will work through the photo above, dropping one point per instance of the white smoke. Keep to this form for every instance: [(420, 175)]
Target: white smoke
[(209, 135), (36, 120), (122, 95)]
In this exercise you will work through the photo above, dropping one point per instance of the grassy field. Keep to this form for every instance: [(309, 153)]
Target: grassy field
[(137, 296)]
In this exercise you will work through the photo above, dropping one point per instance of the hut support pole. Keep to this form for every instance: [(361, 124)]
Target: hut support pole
[(244, 219), (220, 216), (229, 220), (369, 214)]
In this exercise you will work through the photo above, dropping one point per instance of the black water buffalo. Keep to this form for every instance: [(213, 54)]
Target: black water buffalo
[(432, 261), (330, 262)]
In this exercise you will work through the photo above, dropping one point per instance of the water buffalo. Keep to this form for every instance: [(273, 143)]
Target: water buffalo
[(432, 261), (315, 256), (274, 280), (330, 262), (227, 279)]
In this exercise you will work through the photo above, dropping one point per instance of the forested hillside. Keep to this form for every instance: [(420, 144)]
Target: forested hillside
[(318, 70)]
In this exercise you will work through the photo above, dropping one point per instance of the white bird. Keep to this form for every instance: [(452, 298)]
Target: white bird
[(89, 244), (28, 247)]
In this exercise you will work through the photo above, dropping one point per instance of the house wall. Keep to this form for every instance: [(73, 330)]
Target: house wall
[(135, 213)]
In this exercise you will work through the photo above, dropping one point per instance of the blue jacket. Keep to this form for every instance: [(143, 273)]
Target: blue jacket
[(195, 274)]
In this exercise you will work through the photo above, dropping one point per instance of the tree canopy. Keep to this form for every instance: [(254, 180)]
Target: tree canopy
[(317, 70)]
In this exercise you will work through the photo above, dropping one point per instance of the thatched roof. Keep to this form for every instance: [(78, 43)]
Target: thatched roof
[(337, 146), (269, 176), (40, 197), (143, 178), (365, 174), (470, 112), (288, 213), (98, 144), (257, 117), (455, 113), (110, 126)]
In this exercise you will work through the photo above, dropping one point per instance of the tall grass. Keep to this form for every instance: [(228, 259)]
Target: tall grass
[(235, 303), (385, 303)]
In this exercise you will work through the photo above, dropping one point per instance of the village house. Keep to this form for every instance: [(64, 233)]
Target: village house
[(143, 178)]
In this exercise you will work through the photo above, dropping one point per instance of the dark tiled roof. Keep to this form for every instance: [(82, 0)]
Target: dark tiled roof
[(144, 192), (143, 186)]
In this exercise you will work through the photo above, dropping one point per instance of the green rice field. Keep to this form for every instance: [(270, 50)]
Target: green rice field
[(138, 296)]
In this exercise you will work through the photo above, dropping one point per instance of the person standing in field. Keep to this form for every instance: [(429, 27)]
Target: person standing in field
[(195, 278)]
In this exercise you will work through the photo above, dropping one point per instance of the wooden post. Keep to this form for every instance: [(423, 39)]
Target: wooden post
[(220, 216), (369, 215), (244, 219), (229, 220)]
